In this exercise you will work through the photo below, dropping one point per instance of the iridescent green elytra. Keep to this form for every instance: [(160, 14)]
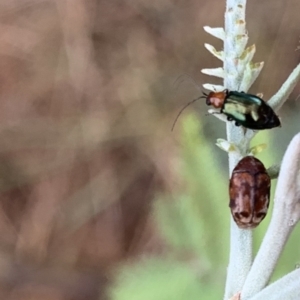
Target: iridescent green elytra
[(247, 110)]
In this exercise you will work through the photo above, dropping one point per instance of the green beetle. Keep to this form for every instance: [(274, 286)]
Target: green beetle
[(245, 109)]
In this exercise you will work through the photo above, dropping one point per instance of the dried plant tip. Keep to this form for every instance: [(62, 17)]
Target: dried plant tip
[(213, 87), (250, 74), (217, 72), (241, 41), (226, 146), (213, 51), (248, 54), (216, 32), (257, 149)]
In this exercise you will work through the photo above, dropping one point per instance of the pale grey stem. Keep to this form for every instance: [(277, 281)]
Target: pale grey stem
[(240, 258), (286, 214), (282, 95), (286, 288)]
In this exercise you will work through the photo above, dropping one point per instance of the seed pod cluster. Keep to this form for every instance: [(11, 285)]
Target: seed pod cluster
[(249, 191)]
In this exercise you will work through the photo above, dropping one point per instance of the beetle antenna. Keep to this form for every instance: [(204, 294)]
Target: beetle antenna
[(177, 82), (191, 102)]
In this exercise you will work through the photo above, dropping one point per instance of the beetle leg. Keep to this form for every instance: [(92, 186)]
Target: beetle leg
[(237, 124), (254, 115), (215, 113), (229, 118)]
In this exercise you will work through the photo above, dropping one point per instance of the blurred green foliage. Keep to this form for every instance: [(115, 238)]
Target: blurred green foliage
[(196, 226), (162, 279), (188, 224)]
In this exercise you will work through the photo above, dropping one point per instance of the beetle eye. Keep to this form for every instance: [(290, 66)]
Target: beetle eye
[(260, 215), (244, 214), (237, 216), (240, 215)]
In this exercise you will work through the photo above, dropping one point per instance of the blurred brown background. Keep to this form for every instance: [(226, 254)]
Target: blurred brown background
[(87, 100)]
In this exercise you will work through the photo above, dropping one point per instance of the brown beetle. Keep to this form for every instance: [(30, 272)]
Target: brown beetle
[(249, 191)]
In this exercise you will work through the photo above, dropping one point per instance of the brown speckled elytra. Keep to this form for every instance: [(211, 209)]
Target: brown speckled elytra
[(249, 191)]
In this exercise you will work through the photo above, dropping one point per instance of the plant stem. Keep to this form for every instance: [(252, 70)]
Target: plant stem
[(240, 258)]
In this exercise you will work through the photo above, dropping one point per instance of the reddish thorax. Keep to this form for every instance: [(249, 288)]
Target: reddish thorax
[(216, 99)]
